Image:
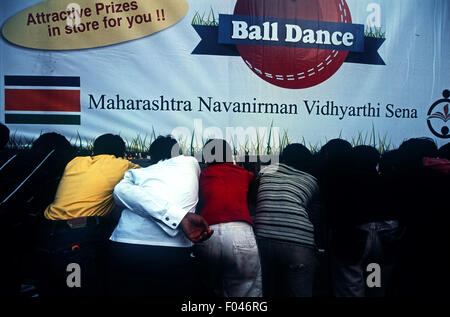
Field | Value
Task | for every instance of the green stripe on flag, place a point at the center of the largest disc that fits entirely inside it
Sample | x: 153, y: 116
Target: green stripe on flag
x: 43, y: 119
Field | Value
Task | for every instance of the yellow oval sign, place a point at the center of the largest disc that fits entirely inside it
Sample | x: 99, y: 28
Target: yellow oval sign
x: 79, y: 24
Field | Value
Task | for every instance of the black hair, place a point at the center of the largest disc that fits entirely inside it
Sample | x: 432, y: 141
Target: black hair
x: 4, y: 135
x: 336, y: 150
x: 163, y: 148
x: 217, y: 151
x: 109, y: 144
x: 444, y: 151
x: 413, y: 151
x: 51, y: 141
x: 365, y: 156
x: 389, y: 162
x: 297, y: 156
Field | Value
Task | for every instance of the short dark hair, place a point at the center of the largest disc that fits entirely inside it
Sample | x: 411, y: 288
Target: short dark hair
x: 365, y: 156
x: 51, y: 141
x: 163, y: 148
x: 297, y: 156
x: 109, y: 144
x: 217, y: 151
x: 413, y: 151
x: 444, y: 151
x: 4, y: 135
x: 388, y: 162
x: 336, y: 149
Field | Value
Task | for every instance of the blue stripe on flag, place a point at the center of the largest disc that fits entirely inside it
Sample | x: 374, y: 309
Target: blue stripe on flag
x: 56, y: 81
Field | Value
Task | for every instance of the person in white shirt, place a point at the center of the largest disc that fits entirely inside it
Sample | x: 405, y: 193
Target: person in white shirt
x: 150, y: 252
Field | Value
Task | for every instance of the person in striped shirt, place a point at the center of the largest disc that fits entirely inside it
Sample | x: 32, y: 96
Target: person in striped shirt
x: 283, y: 228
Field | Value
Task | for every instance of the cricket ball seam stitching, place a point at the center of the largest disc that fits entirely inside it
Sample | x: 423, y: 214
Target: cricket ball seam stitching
x: 319, y: 68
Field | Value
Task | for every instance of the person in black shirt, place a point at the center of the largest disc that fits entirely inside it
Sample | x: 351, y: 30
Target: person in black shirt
x: 27, y: 185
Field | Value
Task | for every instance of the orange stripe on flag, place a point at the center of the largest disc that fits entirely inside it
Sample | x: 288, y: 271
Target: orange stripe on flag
x: 42, y: 100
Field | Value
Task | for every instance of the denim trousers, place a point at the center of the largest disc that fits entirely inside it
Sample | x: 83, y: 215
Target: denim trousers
x: 380, y: 241
x: 230, y: 261
x: 56, y: 249
x: 146, y: 270
x: 287, y: 268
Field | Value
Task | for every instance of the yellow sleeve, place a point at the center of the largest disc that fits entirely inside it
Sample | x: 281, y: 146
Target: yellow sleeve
x: 133, y: 166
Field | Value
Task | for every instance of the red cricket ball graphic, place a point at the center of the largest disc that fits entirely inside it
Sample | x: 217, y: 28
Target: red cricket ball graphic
x: 292, y: 67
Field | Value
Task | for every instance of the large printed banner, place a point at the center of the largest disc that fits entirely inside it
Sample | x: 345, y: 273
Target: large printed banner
x: 297, y: 70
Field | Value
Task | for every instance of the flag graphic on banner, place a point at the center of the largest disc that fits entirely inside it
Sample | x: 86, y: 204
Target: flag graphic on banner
x: 42, y: 100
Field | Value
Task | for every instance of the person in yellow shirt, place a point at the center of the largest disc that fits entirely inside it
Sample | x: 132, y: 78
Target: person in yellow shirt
x: 77, y: 223
x: 86, y: 188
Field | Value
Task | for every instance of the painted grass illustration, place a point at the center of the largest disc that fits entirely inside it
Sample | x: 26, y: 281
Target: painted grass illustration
x: 207, y: 20
x: 374, y: 32
x: 264, y: 144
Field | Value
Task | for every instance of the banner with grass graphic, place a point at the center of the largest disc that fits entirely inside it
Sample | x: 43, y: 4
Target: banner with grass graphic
x: 260, y: 73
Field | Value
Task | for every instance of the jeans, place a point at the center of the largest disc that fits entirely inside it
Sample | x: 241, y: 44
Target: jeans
x: 57, y: 248
x: 146, y: 270
x: 379, y: 246
x: 287, y: 268
x: 230, y: 261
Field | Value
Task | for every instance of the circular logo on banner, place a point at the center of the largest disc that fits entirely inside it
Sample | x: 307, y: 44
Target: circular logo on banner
x: 439, y: 115
x: 293, y: 67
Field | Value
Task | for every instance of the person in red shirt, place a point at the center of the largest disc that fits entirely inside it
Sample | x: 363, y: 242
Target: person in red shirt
x: 230, y: 257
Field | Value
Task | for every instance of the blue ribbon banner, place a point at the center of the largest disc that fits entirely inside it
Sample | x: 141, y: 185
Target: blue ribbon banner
x: 257, y: 30
x: 252, y: 30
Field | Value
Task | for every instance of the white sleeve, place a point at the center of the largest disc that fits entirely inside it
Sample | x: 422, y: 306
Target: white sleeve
x: 133, y: 197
